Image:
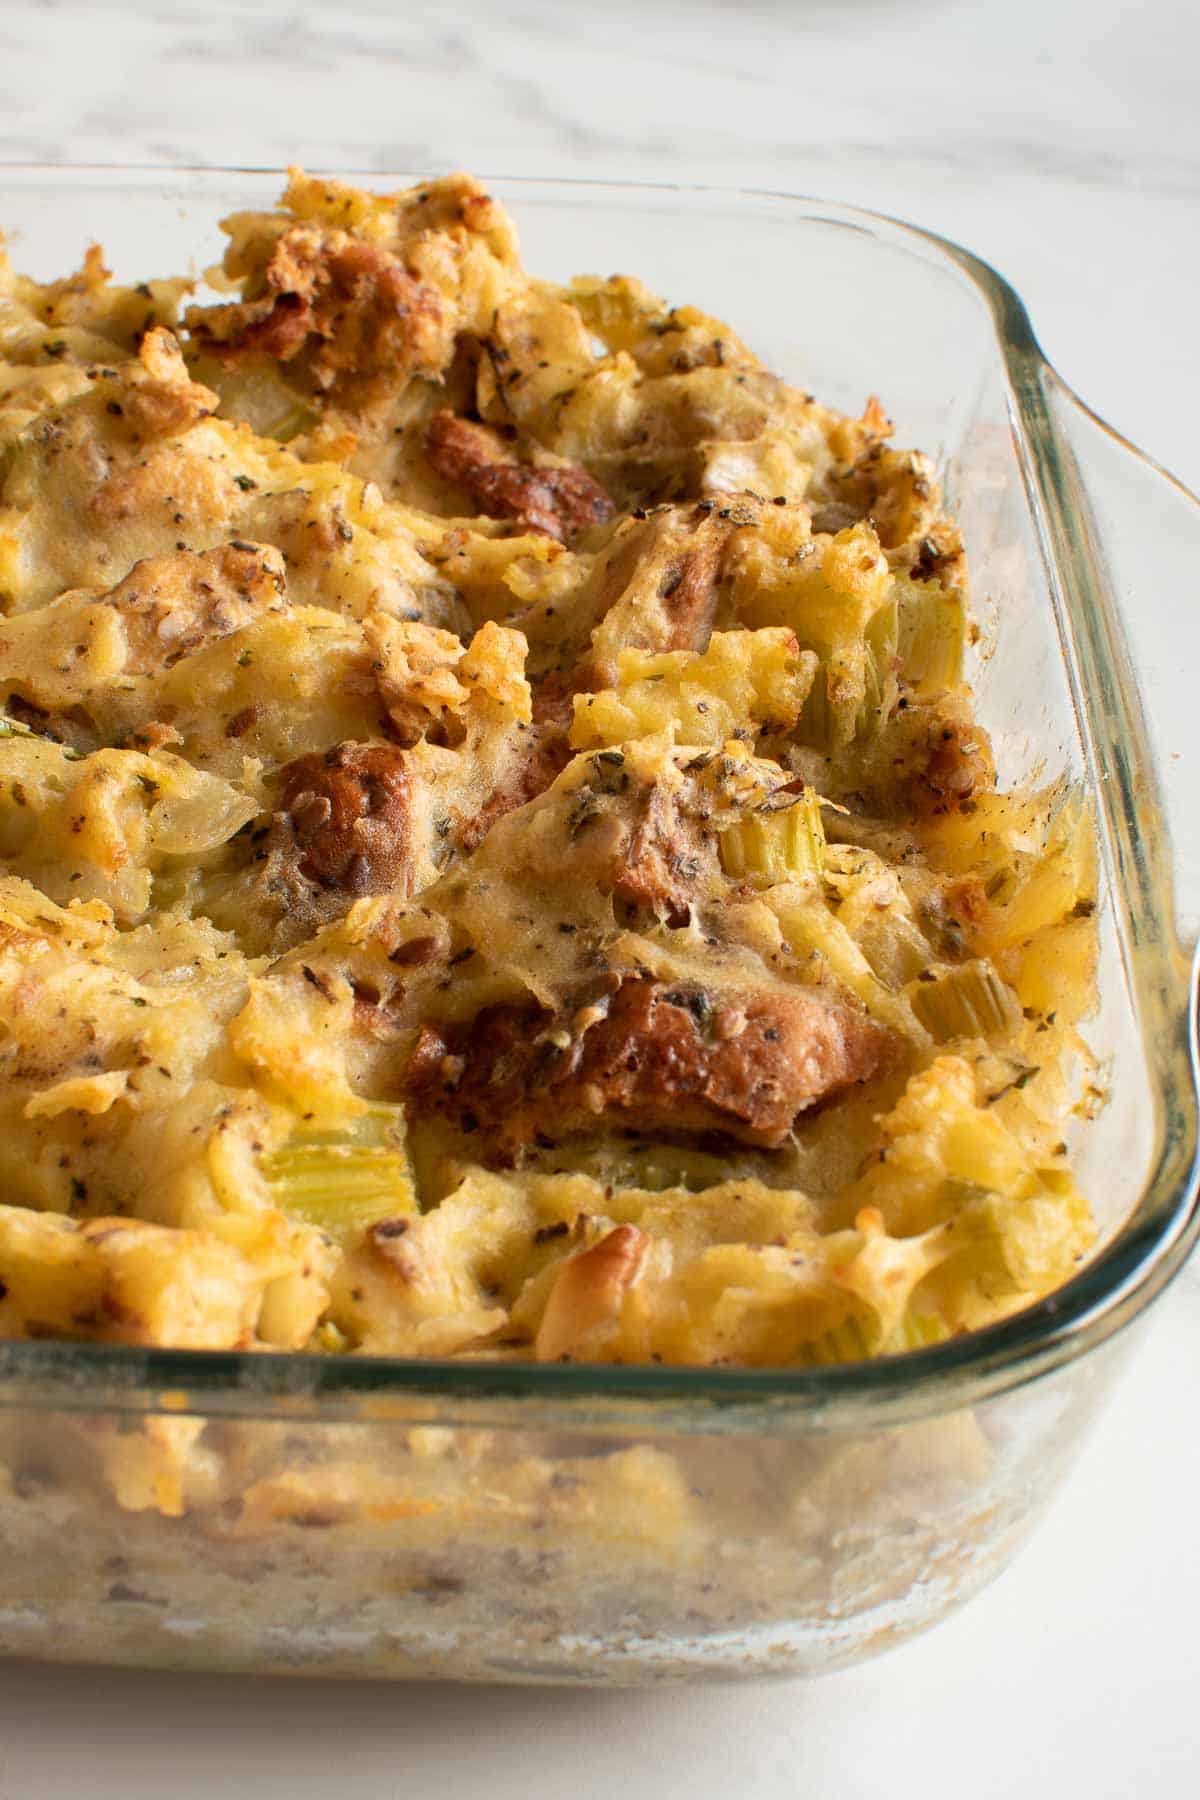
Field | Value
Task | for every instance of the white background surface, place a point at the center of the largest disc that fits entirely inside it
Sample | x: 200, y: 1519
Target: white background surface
x: 1062, y: 142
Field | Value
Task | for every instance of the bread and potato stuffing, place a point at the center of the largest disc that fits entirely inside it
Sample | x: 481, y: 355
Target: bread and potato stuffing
x: 499, y: 859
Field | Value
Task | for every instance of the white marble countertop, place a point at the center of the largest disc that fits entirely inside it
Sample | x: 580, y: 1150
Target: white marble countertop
x: 1061, y: 142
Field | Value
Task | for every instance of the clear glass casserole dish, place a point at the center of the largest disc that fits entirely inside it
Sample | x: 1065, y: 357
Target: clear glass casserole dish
x: 379, y: 1517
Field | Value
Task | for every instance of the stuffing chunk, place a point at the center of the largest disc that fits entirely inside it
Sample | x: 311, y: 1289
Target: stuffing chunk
x: 349, y: 813
x: 558, y: 501
x: 352, y: 307
x: 649, y: 1058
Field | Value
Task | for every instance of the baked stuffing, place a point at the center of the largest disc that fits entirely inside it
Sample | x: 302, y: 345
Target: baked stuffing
x: 499, y: 857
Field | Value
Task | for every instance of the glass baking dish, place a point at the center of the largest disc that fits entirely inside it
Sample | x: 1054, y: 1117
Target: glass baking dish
x: 568, y: 1523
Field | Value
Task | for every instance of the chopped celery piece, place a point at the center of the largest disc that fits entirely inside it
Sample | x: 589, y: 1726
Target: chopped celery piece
x: 915, y: 1331
x: 340, y: 1189
x: 854, y: 688
x: 812, y: 930
x: 879, y: 672
x: 344, y: 1181
x: 858, y: 1337
x: 1026, y: 1242
x: 895, y: 948
x: 768, y: 847
x: 932, y: 631
x: 965, y: 1002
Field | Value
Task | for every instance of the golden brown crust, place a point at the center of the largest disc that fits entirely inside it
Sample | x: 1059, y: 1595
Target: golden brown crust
x: 348, y: 812
x: 353, y: 307
x: 558, y: 501
x: 648, y: 1058
x: 171, y: 604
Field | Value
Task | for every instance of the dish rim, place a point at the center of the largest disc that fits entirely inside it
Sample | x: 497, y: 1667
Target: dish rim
x: 1112, y: 1289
